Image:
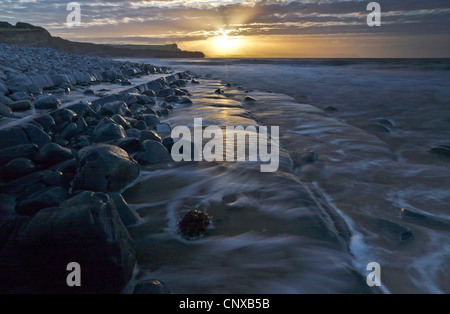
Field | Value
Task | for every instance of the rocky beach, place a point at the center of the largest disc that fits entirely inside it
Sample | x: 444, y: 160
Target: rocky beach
x: 87, y: 177
x: 63, y: 165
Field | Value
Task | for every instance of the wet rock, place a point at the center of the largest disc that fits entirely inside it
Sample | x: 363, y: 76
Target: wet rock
x: 104, y: 168
x: 36, y: 135
x: 128, y: 144
x: 140, y: 125
x: 23, y: 184
x: 151, y: 120
x: 151, y: 286
x: 219, y: 91
x: 329, y: 109
x: 63, y: 117
x: 5, y: 100
x: 168, y: 143
x: 18, y: 96
x: 86, y: 229
x: 46, y: 121
x: 249, y: 99
x: 149, y: 93
x: 57, y: 178
x: 117, y: 107
x: 17, y: 168
x: 121, y: 121
x: 70, y: 131
x: 127, y: 215
x: 50, y: 197
x: 20, y: 105
x: 137, y: 108
x: 165, y: 92
x: 164, y: 130
x: 194, y: 224
x: 133, y: 133
x: 53, y: 153
x: 441, y: 150
x: 154, y: 152
x: 105, y: 132
x: 303, y: 158
x: 47, y: 102
x: 149, y: 135
x: 173, y: 99
x: 19, y: 151
x: 66, y: 167
x: 82, y: 110
x: 5, y: 110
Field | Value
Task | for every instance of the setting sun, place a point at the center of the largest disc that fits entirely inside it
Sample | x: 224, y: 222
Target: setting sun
x: 225, y: 44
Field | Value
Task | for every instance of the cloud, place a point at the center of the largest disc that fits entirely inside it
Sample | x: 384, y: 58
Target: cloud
x: 187, y: 20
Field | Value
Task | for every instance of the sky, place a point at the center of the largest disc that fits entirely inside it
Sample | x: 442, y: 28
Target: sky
x: 251, y: 28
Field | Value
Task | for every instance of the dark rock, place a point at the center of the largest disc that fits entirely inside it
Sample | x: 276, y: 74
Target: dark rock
x: 66, y: 167
x: 194, y: 81
x: 47, y: 102
x: 82, y: 110
x: 53, y: 153
x: 441, y: 150
x: 128, y: 144
x: 18, y: 96
x: 46, y: 122
x: 57, y: 178
x: 149, y: 93
x: 173, y: 99
x: 108, y: 131
x: 70, y: 131
x: 89, y: 92
x: 248, y: 98
x: 301, y: 159
x: 5, y: 110
x: 117, y: 107
x: 151, y: 120
x: 165, y: 92
x: 86, y: 229
x: 151, y: 287
x: 154, y: 152
x: 149, y: 135
x: 104, y: 168
x: 5, y: 100
x: 121, y: 121
x: 22, y: 184
x: 168, y: 143
x: 133, y: 133
x: 127, y: 215
x: 330, y: 109
x: 63, y: 116
x: 137, y: 108
x: 219, y: 91
x: 17, y: 168
x: 19, y: 151
x: 194, y: 224
x: 50, y: 197
x: 36, y: 135
x: 20, y: 105
x: 164, y: 130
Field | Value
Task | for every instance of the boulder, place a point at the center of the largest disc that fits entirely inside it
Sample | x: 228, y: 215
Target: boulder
x: 20, y: 105
x: 116, y: 107
x: 441, y: 150
x: 121, y: 121
x: 5, y: 100
x: 151, y: 120
x: 104, y: 132
x: 128, y: 144
x: 164, y: 130
x: 47, y: 102
x: 82, y: 110
x: 127, y: 215
x: 149, y: 135
x: 5, y: 110
x: 154, y: 152
x: 26, y: 151
x: 17, y: 168
x: 104, y: 168
x: 18, y: 96
x: 46, y: 121
x: 36, y: 135
x: 53, y: 153
x: 49, y: 197
x: 85, y: 229
x: 12, y: 136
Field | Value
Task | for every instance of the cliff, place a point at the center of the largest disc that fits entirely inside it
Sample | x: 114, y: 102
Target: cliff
x: 28, y: 35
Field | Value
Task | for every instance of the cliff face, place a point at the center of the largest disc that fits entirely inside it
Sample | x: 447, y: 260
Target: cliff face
x: 28, y: 35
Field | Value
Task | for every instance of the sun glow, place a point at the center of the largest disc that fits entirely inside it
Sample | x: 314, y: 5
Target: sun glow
x: 225, y: 44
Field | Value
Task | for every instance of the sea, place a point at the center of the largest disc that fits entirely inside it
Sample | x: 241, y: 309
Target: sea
x: 375, y: 194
